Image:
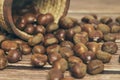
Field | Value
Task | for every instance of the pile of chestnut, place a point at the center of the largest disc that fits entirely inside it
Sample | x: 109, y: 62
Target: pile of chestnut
x: 79, y: 47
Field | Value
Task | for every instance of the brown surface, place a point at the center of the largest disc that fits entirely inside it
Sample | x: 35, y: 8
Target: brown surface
x: 79, y: 8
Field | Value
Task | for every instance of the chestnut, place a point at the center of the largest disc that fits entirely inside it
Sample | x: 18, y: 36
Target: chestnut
x: 72, y: 60
x: 30, y: 17
x: 53, y: 48
x: 55, y: 74
x: 39, y: 49
x: 3, y: 62
x: 68, y: 44
x: 45, y: 19
x: 66, y: 52
x: 14, y: 56
x: 77, y: 29
x: 21, y: 23
x: 30, y: 29
x: 109, y: 37
x: 40, y: 29
x: 53, y: 56
x: 118, y: 19
x: 38, y: 60
x: 95, y: 67
x: 88, y: 19
x: 52, y: 27
x: 93, y: 46
x: 79, y: 49
x: 19, y: 41
x: 78, y: 37
x: 88, y: 56
x: 9, y: 45
x: 60, y: 35
x: 110, y: 47
x: 103, y: 56
x: 115, y: 29
x: 106, y: 20
x: 2, y: 53
x: 61, y: 64
x: 88, y: 28
x: 96, y: 36
x: 69, y: 34
x: 25, y: 49
x: 78, y: 70
x: 38, y: 38
x: 104, y: 28
x: 50, y: 39
x: 66, y: 22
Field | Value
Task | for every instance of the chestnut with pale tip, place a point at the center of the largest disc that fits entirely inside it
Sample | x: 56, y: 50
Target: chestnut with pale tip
x: 38, y: 60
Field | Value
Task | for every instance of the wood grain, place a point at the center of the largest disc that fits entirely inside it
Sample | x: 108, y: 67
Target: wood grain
x: 78, y: 8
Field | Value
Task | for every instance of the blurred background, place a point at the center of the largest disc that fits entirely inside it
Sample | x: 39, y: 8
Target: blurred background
x: 79, y: 8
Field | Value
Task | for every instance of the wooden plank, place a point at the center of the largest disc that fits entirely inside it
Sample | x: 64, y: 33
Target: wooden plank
x: 94, y: 6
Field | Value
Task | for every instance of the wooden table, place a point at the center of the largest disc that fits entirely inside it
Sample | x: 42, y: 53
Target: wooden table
x: 78, y: 8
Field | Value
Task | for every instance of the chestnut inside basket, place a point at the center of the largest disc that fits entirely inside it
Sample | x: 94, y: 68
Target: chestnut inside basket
x: 57, y: 8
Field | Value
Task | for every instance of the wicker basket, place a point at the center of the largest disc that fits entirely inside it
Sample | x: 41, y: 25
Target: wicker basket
x: 58, y: 8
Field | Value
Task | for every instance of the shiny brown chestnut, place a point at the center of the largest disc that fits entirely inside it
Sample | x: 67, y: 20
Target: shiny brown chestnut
x: 50, y: 39
x: 88, y: 28
x: 30, y: 29
x: 110, y: 47
x: 78, y: 37
x: 60, y: 35
x: 78, y: 70
x: 40, y: 29
x: 105, y: 57
x: 104, y: 28
x: 106, y: 20
x: 77, y: 29
x: 19, y: 41
x: 21, y: 23
x: 96, y: 36
x: 14, y: 56
x: 118, y: 19
x: 72, y: 60
x: 53, y: 48
x: 38, y: 38
x: 25, y: 49
x: 93, y: 46
x: 52, y: 27
x: 45, y: 19
x: 53, y: 56
x: 66, y: 22
x: 88, y: 56
x: 38, y: 60
x: 109, y: 37
x: 39, y: 49
x: 3, y: 62
x: 61, y: 64
x: 68, y: 44
x: 115, y: 29
x: 69, y: 34
x: 30, y: 17
x: 79, y: 49
x: 88, y: 19
x: 55, y: 74
x: 9, y: 45
x: 95, y: 67
x: 66, y: 52
x: 2, y: 53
